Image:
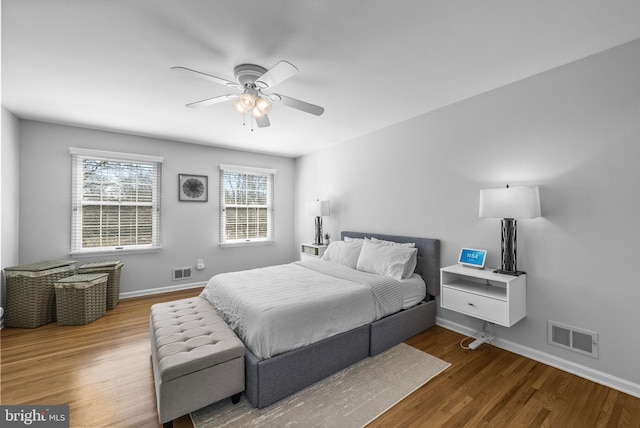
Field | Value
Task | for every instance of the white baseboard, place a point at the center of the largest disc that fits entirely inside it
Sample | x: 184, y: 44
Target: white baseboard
x: 160, y: 290
x: 551, y: 360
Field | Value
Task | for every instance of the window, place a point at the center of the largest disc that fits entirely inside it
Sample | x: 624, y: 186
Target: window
x: 246, y: 204
x: 115, y: 201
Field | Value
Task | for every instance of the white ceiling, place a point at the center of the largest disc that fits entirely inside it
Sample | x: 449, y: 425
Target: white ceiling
x: 105, y: 64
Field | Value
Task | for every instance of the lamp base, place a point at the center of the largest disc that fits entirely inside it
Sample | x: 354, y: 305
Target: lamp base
x: 510, y: 272
x: 509, y: 246
x: 318, y: 237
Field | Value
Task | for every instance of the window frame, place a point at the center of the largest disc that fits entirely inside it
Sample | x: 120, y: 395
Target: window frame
x: 78, y: 156
x: 270, y: 174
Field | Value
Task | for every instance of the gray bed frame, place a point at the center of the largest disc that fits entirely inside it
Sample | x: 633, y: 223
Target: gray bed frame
x: 270, y: 380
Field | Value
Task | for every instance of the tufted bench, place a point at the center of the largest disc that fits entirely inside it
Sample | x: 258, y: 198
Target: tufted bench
x: 197, y: 359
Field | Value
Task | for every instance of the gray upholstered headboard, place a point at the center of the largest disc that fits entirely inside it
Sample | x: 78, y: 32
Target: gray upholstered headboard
x: 428, y: 265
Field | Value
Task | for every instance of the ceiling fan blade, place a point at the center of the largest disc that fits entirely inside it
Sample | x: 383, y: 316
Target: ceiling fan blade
x: 221, y: 81
x: 276, y: 74
x: 297, y: 104
x: 263, y: 122
x: 211, y: 101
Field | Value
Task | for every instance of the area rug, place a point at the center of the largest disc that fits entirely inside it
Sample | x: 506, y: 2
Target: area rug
x: 350, y: 398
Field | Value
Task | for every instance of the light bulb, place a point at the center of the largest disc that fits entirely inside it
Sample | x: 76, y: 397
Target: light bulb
x: 263, y: 105
x: 247, y: 101
x: 256, y: 113
x: 238, y: 106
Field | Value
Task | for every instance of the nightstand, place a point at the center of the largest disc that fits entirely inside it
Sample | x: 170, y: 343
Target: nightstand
x: 312, y: 251
x: 481, y: 293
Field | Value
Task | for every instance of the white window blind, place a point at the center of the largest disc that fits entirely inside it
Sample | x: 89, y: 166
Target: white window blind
x: 246, y: 204
x: 115, y: 201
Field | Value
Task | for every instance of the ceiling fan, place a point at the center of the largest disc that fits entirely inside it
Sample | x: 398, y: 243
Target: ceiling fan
x: 256, y: 83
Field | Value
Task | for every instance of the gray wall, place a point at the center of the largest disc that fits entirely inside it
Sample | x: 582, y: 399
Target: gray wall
x: 574, y: 131
x: 9, y: 200
x: 189, y: 229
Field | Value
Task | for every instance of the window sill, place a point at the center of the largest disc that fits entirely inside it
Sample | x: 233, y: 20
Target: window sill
x: 246, y: 243
x: 91, y: 253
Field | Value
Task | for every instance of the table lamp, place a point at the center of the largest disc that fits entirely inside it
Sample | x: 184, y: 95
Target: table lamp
x: 509, y: 204
x: 318, y: 209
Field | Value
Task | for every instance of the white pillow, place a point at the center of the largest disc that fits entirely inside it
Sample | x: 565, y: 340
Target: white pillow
x: 399, y: 244
x: 409, y: 267
x: 384, y: 259
x: 343, y: 252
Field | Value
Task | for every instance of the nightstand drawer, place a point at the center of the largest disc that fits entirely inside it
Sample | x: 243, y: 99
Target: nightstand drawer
x: 482, y: 307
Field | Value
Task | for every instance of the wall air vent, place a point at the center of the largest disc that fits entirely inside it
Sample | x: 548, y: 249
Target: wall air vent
x: 572, y: 338
x: 181, y: 273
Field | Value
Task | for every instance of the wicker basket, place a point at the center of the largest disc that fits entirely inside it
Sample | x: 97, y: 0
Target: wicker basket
x: 30, y: 292
x: 81, y: 299
x: 113, y: 268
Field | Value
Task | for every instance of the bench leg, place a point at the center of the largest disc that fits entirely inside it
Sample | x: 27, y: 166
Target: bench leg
x: 235, y: 399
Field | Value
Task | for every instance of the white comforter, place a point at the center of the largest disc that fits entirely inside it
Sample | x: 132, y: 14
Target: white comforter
x: 280, y: 308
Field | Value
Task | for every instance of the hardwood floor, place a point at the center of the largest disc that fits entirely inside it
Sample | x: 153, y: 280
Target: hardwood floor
x: 491, y: 387
x: 103, y: 372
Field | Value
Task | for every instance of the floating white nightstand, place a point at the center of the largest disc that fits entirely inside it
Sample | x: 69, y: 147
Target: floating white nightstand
x: 481, y: 293
x: 312, y: 251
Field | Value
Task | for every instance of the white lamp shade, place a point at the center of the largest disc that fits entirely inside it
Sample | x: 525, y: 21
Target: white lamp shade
x: 319, y: 208
x: 510, y: 202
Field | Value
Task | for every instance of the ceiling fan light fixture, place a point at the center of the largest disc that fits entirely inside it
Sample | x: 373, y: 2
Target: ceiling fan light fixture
x: 247, y: 101
x: 252, y: 79
x: 256, y: 113
x: 237, y: 105
x: 263, y: 105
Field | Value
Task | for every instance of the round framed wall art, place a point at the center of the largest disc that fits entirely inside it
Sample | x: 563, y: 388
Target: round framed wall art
x: 193, y: 188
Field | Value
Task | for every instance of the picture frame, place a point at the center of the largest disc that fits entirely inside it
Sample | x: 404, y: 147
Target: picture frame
x: 193, y: 188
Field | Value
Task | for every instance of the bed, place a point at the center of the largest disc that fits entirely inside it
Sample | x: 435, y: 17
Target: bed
x: 368, y: 316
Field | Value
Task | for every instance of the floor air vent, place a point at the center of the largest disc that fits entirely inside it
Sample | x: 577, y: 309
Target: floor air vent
x: 572, y: 338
